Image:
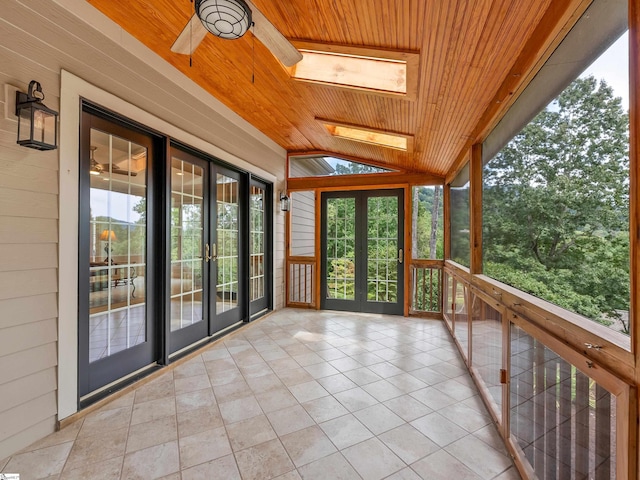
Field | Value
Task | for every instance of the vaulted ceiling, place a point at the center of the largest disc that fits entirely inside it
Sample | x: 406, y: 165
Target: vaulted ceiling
x: 474, y: 56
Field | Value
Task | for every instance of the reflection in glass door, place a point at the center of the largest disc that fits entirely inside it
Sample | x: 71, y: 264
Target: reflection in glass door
x: 188, y: 215
x: 259, y: 236
x: 116, y: 336
x: 225, y: 250
x: 362, y: 264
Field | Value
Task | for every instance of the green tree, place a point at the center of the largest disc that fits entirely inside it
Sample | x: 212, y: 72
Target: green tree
x: 556, y: 205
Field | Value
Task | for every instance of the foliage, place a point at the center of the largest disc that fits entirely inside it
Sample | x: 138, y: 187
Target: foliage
x: 556, y: 204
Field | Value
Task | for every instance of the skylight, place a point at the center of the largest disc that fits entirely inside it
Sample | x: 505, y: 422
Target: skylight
x: 396, y: 141
x: 376, y: 71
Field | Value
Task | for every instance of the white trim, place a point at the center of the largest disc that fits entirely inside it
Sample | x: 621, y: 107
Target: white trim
x: 72, y: 90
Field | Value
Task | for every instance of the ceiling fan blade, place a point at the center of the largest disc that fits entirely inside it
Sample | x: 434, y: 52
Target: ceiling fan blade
x: 190, y: 37
x: 271, y: 38
x: 117, y: 170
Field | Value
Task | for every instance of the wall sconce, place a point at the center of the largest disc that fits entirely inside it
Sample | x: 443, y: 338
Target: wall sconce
x: 37, y: 124
x: 285, y: 202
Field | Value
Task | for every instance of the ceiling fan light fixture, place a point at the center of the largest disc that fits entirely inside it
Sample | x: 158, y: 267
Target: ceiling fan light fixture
x: 229, y: 19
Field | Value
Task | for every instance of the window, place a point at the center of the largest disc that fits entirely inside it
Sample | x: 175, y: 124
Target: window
x: 556, y: 200
x: 459, y: 218
x: 327, y: 165
x: 375, y: 71
x: 427, y: 231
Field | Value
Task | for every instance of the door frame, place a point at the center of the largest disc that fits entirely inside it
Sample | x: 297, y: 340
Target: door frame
x: 262, y: 305
x: 361, y: 303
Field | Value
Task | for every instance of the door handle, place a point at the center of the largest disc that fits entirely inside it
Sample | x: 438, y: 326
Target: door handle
x: 400, y: 255
x: 214, y: 257
x: 207, y: 257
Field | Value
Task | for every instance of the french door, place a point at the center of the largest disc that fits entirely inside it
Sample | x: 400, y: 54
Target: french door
x: 116, y: 333
x: 173, y: 248
x: 207, y: 257
x: 362, y: 251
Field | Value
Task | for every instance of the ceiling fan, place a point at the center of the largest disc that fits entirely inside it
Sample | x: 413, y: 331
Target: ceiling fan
x: 98, y: 168
x: 231, y: 19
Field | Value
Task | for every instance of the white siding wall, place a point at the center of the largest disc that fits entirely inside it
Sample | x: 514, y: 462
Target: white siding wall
x: 39, y: 38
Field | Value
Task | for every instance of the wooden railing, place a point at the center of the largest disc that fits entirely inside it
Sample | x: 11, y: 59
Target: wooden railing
x: 563, y: 411
x: 301, y: 281
x: 426, y: 286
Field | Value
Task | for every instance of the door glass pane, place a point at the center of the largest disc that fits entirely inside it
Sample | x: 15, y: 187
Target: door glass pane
x: 341, y: 241
x: 257, y: 244
x: 227, y: 246
x: 382, y: 249
x: 117, y: 252
x: 187, y: 229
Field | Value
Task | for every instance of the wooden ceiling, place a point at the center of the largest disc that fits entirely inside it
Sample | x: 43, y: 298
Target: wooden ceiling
x: 474, y: 54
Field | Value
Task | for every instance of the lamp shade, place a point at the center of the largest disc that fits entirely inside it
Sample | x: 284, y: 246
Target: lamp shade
x: 228, y: 19
x: 108, y: 235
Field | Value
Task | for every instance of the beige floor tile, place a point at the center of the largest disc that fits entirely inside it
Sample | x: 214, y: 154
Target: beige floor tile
x: 222, y: 468
x: 283, y: 364
x: 191, y: 384
x: 203, y: 447
x: 305, y: 392
x: 439, y: 429
x: 362, y: 376
x: 408, y: 443
x: 96, y: 448
x: 41, y: 463
x: 232, y: 374
x: 232, y: 391
x: 294, y: 376
x: 429, y: 376
x: 192, y: 368
x: 382, y: 390
x: 215, y: 353
x: 442, y: 466
x: 155, y: 432
x: 255, y: 370
x: 264, y: 461
x: 250, y: 432
x: 385, y: 369
x: 308, y: 359
x: 334, y: 467
x: 355, y: 399
x: 195, y: 400
x: 466, y: 417
x: 455, y: 389
x: 161, y: 387
x: 489, y: 435
x: 290, y: 419
x: 378, y: 418
x: 153, y: 462
x: 345, y: 431
x: 433, y: 398
x: 407, y: 408
x: 276, y: 399
x: 292, y: 475
x: 406, y: 382
x: 404, y: 474
x: 324, y: 408
x: 367, y: 359
x: 510, y: 474
x: 321, y: 370
x: 373, y: 460
x: 106, y: 470
x: 105, y: 420
x: 345, y: 364
x: 331, y: 354
x: 67, y: 434
x: 199, y: 420
x: 482, y: 459
x: 307, y: 445
x: 241, y: 409
x: 336, y: 383
x: 153, y: 409
x: 265, y: 383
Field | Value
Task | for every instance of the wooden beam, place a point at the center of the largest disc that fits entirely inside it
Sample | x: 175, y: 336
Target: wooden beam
x: 560, y: 16
x: 475, y: 205
x: 364, y: 180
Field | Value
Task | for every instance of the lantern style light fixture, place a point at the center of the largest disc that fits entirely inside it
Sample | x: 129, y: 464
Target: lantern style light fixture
x: 228, y: 19
x: 37, y: 124
x: 285, y: 202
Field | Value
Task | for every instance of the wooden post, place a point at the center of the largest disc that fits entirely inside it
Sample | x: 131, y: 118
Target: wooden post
x: 475, y: 206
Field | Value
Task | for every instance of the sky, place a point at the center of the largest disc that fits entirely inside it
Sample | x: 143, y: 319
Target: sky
x: 613, y: 67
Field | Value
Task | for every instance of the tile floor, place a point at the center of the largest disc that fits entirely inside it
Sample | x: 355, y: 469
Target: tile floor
x: 298, y: 394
